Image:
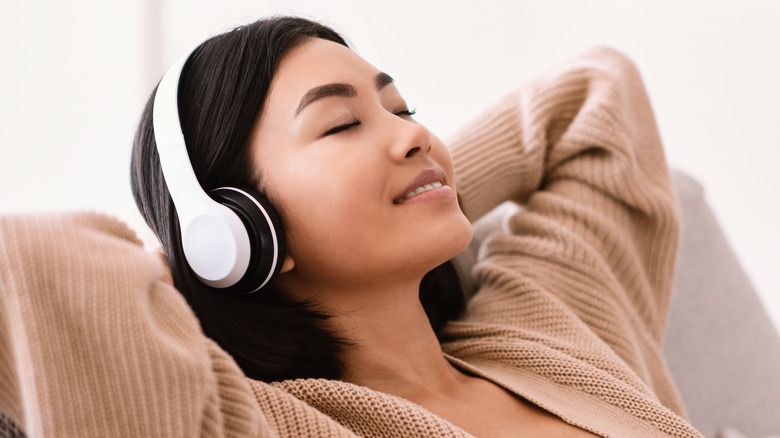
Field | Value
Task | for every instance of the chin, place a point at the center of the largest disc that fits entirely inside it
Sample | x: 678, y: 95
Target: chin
x: 456, y: 239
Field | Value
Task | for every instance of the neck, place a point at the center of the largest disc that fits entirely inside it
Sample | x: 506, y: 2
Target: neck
x: 396, y: 350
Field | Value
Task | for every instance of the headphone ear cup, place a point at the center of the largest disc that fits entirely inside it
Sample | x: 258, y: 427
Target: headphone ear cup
x: 266, y: 235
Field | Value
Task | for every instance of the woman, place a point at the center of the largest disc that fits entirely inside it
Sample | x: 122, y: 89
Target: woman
x: 563, y: 337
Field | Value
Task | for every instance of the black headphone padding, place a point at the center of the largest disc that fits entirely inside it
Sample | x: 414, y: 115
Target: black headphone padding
x: 260, y: 235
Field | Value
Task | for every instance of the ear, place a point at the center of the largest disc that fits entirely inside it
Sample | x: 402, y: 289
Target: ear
x: 288, y: 264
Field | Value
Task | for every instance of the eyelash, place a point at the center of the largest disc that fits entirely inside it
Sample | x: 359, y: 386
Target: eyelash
x: 342, y: 128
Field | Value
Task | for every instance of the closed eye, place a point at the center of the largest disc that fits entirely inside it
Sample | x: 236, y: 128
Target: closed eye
x: 341, y: 128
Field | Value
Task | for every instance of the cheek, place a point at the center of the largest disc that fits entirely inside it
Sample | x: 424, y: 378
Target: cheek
x: 331, y: 208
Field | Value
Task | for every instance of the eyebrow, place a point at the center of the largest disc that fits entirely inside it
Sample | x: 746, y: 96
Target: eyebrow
x: 344, y: 90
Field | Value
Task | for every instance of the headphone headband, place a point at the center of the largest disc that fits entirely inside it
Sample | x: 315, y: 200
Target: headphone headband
x: 174, y: 159
x: 215, y: 242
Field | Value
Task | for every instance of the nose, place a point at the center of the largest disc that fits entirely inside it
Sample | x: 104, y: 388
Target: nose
x: 412, y: 139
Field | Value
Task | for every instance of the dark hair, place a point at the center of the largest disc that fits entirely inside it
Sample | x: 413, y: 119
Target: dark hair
x: 222, y: 90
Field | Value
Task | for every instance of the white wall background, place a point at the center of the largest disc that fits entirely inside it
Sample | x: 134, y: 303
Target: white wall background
x: 75, y: 75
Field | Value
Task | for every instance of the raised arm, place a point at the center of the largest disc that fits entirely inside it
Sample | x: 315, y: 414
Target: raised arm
x: 589, y: 115
x: 579, y: 148
x: 93, y: 341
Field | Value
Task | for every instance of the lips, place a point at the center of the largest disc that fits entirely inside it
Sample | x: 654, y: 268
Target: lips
x: 424, y: 188
x: 427, y: 180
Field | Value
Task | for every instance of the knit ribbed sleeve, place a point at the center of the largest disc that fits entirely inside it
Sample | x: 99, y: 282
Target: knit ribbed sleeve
x: 95, y: 344
x: 577, y: 290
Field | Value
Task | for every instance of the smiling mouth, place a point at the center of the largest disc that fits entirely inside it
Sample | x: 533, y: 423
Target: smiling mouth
x: 422, y: 188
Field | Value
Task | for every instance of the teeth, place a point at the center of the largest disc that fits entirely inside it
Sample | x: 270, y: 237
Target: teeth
x: 423, y: 188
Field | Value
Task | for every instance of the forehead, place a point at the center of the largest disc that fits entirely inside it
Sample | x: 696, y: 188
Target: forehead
x: 318, y: 62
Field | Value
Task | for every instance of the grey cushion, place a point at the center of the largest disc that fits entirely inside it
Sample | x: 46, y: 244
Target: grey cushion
x: 721, y: 346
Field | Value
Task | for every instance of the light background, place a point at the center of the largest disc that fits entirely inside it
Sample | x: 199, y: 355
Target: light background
x: 75, y: 76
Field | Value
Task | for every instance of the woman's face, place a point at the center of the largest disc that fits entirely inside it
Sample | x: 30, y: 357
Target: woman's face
x: 341, y: 158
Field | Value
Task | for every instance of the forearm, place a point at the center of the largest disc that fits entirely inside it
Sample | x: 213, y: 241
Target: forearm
x: 589, y: 120
x: 100, y: 344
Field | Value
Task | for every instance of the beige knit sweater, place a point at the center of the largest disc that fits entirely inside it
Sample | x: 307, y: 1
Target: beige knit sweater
x: 569, y: 314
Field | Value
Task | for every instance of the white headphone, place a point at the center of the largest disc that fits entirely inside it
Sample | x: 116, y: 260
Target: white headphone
x: 232, y: 237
